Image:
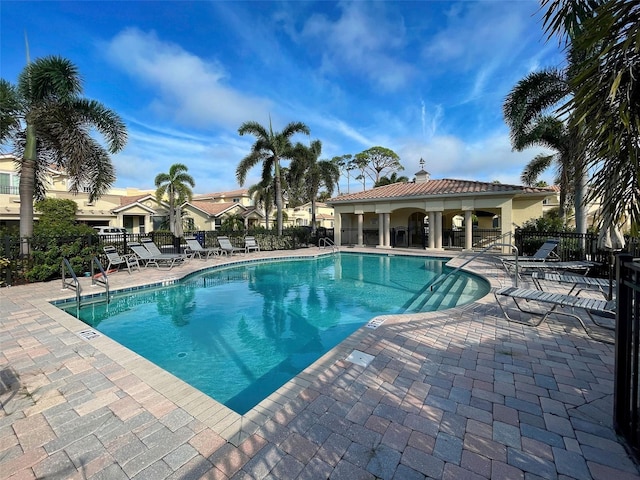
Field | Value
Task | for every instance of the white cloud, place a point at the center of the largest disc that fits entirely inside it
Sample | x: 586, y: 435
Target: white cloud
x: 365, y: 40
x: 211, y: 161
x: 486, y: 160
x: 184, y: 88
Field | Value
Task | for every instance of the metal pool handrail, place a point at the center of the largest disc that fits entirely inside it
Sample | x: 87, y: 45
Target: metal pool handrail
x: 101, y: 278
x: 327, y: 242
x: 73, y: 281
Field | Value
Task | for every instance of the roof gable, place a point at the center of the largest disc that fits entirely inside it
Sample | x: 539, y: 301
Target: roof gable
x: 214, y: 209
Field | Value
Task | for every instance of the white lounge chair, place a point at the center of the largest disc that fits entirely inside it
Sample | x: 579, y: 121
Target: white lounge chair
x: 544, y: 253
x: 227, y: 248
x: 582, y: 266
x: 251, y: 245
x: 155, y: 251
x: 590, y: 306
x: 195, y: 249
x: 578, y: 283
x: 147, y: 258
x: 116, y: 260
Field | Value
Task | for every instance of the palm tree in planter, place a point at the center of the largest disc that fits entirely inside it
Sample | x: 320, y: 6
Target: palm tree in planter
x: 51, y: 124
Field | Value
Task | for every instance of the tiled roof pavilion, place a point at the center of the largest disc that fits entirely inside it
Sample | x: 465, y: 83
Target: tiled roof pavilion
x: 409, y: 206
x: 431, y: 188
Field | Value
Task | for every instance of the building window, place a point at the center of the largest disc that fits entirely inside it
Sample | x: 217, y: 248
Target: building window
x: 236, y: 200
x: 9, y: 183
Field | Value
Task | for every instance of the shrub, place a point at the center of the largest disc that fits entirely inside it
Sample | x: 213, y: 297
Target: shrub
x: 57, y: 235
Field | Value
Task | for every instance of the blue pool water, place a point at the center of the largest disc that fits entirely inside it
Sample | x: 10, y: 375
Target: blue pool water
x: 238, y: 333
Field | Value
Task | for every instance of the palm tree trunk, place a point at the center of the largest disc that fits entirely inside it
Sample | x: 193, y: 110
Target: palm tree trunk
x: 313, y: 215
x: 171, y: 211
x: 26, y: 189
x: 278, y: 197
x: 581, y: 211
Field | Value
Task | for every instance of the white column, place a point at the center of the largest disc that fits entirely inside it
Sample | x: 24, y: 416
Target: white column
x: 468, y: 230
x: 438, y: 230
x: 387, y: 234
x: 360, y: 229
x: 432, y: 229
x: 381, y: 230
x: 337, y: 229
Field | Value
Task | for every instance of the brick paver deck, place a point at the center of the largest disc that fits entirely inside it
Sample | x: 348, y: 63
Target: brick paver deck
x: 457, y: 394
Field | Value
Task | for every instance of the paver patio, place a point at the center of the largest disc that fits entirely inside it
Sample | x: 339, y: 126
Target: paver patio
x: 457, y: 394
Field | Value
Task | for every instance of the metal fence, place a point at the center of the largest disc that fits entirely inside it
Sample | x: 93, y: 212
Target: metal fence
x: 82, y: 249
x: 575, y: 246
x: 626, y: 403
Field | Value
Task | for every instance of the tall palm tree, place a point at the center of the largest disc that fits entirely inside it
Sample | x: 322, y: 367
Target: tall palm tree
x: 530, y: 111
x: 176, y: 185
x: 605, y: 94
x: 270, y: 148
x: 313, y: 174
x: 49, y: 123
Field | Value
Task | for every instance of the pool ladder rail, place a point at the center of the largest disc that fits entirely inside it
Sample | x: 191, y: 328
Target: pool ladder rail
x: 326, y: 242
x: 99, y: 279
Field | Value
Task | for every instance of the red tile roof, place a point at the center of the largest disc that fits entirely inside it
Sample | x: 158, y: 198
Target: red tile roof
x: 442, y: 187
x: 133, y: 199
x: 214, y: 208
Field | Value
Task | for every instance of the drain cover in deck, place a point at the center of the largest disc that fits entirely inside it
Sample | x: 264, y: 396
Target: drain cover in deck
x: 360, y: 358
x: 89, y: 334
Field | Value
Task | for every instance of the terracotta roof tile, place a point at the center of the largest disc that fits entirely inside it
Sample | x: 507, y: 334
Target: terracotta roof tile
x: 445, y: 186
x: 213, y: 208
x: 133, y: 199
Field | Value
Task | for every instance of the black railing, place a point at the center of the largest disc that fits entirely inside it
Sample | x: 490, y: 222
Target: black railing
x: 575, y: 246
x: 480, y: 237
x: 9, y: 190
x: 23, y: 268
x: 626, y: 403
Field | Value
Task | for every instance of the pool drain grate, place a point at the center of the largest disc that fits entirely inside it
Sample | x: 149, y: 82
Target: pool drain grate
x: 375, y: 323
x: 360, y: 358
x: 88, y: 334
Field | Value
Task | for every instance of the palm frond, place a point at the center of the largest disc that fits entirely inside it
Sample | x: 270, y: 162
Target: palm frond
x: 533, y: 169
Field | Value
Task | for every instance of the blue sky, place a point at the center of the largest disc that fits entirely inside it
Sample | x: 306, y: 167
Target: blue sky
x: 426, y: 79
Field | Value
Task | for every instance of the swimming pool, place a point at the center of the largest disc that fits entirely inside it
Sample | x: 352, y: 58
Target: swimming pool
x: 238, y: 333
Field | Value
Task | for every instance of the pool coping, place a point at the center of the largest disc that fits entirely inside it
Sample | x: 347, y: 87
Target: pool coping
x: 231, y: 426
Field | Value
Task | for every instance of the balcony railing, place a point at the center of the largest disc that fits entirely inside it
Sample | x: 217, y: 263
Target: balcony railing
x: 8, y: 190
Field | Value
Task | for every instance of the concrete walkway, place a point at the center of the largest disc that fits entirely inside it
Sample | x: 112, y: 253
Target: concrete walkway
x: 457, y: 394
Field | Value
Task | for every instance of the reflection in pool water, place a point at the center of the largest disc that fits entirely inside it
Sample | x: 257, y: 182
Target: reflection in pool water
x: 238, y: 333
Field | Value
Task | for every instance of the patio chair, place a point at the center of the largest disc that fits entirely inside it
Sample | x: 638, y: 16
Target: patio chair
x: 250, y: 244
x: 150, y: 245
x: 545, y: 259
x: 581, y: 266
x: 194, y: 248
x: 578, y: 283
x: 591, y: 306
x: 227, y: 248
x: 146, y: 258
x: 544, y: 253
x: 116, y: 260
